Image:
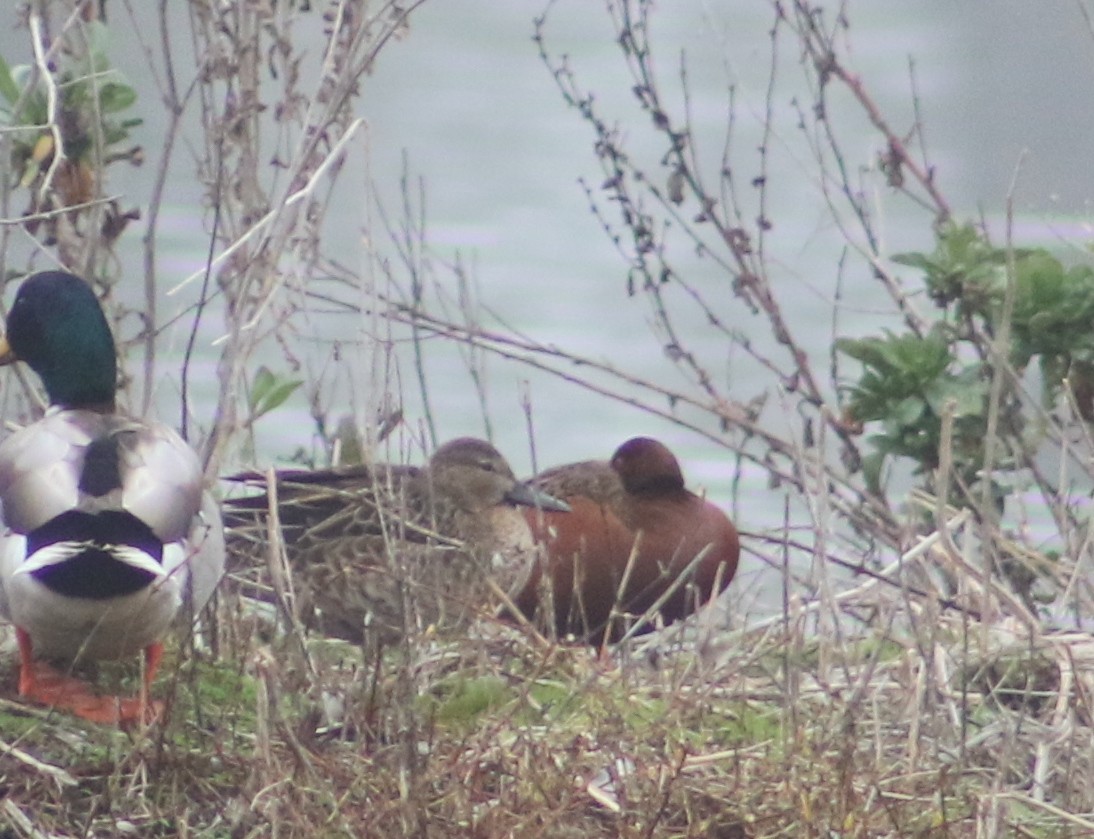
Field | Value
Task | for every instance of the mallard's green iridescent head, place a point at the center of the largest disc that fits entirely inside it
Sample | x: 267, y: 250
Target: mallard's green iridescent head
x: 57, y: 326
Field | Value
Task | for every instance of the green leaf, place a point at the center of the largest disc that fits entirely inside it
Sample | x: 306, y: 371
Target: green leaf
x: 114, y: 97
x: 872, y: 464
x: 270, y: 391
x: 860, y: 349
x: 8, y: 88
x: 98, y: 37
x: 914, y: 260
x: 909, y: 411
x: 34, y: 110
x: 967, y: 397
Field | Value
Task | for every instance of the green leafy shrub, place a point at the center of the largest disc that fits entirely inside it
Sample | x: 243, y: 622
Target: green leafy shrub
x: 89, y: 121
x: 909, y: 380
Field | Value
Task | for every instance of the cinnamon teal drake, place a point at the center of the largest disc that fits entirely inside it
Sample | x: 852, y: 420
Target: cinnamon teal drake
x: 382, y: 551
x: 107, y: 532
x: 634, y: 532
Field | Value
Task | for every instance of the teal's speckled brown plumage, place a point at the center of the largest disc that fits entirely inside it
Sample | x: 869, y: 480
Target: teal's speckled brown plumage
x: 107, y: 532
x: 395, y: 548
x: 636, y: 499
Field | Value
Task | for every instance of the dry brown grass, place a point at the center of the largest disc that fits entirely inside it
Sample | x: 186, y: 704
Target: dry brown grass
x: 917, y: 722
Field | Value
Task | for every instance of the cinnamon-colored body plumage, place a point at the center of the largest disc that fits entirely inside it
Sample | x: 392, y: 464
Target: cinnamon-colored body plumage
x: 636, y: 504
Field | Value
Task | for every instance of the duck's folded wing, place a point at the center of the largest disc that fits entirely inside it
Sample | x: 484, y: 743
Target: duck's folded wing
x: 204, y: 557
x: 161, y: 479
x: 593, y: 479
x: 40, y: 470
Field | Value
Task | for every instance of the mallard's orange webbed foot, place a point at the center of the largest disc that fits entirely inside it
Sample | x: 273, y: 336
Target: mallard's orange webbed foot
x: 77, y: 697
x: 45, y: 685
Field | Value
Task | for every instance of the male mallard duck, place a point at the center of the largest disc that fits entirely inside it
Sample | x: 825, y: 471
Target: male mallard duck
x: 106, y: 529
x: 634, y: 529
x: 393, y: 548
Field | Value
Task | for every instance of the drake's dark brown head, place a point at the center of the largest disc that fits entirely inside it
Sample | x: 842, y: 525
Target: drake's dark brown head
x: 646, y: 466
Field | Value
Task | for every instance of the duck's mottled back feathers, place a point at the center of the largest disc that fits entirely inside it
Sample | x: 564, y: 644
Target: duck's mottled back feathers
x: 394, y: 545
